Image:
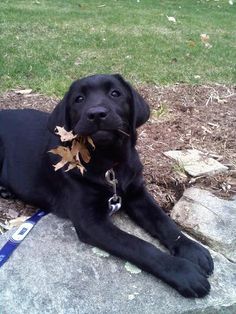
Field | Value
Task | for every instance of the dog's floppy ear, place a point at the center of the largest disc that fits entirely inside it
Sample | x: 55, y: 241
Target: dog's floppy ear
x: 59, y: 116
x: 140, y: 110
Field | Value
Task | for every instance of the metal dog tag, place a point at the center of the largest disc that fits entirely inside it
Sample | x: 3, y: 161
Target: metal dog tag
x: 114, y: 203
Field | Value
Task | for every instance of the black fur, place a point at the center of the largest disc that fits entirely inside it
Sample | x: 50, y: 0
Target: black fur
x: 99, y: 106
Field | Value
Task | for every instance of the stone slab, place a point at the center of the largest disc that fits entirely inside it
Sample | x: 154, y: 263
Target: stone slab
x: 209, y: 218
x: 53, y: 272
x: 195, y: 162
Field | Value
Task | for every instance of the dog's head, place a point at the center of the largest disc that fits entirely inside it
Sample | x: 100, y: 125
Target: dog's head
x: 104, y: 107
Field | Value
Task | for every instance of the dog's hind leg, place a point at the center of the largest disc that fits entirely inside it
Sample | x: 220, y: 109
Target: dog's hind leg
x: 5, y: 193
x: 1, y: 157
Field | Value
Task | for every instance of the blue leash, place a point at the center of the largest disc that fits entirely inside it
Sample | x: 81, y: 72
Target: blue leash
x: 19, y: 235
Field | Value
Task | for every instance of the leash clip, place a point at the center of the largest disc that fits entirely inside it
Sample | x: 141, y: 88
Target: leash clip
x: 114, y: 203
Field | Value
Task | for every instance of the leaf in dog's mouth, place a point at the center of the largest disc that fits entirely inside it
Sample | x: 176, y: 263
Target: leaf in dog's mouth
x: 71, y: 155
x: 65, y: 136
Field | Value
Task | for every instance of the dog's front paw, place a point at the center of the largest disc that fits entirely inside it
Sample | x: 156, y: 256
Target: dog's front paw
x: 195, y: 253
x: 188, y: 279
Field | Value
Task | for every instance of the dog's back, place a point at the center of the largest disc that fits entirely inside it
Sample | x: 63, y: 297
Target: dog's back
x: 18, y: 131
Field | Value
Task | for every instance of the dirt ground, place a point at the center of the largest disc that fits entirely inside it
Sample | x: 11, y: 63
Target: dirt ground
x: 183, y: 116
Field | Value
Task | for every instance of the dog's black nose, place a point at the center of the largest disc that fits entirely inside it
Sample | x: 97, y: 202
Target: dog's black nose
x: 97, y: 113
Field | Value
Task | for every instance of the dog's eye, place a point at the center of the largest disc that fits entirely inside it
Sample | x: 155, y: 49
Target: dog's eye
x: 115, y: 93
x: 79, y: 98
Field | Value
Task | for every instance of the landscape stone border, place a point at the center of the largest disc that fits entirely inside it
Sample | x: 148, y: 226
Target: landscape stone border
x: 53, y: 272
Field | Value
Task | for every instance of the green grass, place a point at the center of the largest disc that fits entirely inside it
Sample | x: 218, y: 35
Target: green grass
x: 46, y: 44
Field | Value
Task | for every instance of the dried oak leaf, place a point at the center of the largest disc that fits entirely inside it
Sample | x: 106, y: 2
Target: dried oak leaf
x: 204, y: 38
x: 171, y: 19
x: 65, y: 136
x: 90, y: 141
x: 71, y: 155
x: 68, y: 157
x: 82, y: 151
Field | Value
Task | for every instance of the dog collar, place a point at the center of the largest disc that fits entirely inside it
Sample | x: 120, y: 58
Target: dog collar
x: 114, y: 202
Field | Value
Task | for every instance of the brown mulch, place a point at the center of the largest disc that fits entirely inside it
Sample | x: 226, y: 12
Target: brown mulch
x: 183, y: 116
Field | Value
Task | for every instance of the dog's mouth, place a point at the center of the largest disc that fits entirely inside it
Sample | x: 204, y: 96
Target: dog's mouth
x: 104, y: 137
x: 102, y: 134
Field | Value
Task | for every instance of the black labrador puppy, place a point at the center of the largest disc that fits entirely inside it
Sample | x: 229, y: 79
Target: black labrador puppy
x: 109, y: 110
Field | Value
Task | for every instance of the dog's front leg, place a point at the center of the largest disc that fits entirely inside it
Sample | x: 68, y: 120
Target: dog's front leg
x: 142, y: 208
x: 179, y: 273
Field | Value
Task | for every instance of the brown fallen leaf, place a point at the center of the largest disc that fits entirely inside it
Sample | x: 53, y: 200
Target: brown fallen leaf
x: 23, y: 91
x: 171, y: 19
x: 66, y: 155
x: 67, y: 158
x: 191, y: 43
x: 62, y: 151
x: 16, y: 222
x: 65, y: 136
x: 84, y: 153
x: 90, y: 141
x: 71, y: 155
x: 204, y: 38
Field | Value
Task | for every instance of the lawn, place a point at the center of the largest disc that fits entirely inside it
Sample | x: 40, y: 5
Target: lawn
x: 45, y: 44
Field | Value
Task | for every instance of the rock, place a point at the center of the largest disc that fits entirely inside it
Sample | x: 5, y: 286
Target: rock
x: 208, y: 218
x: 53, y: 272
x: 196, y: 163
